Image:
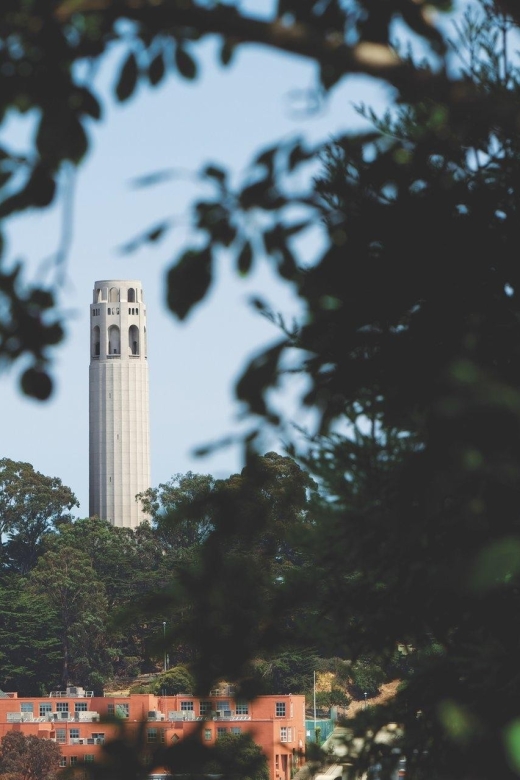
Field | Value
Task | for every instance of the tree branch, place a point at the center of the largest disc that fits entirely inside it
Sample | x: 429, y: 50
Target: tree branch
x: 373, y: 59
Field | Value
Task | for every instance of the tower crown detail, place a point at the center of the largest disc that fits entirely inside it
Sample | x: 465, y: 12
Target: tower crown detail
x: 118, y: 321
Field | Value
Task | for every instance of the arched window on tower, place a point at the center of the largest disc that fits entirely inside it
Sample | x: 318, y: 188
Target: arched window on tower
x: 114, y: 341
x: 98, y: 295
x: 96, y: 339
x: 131, y: 295
x: 133, y: 340
x: 114, y: 295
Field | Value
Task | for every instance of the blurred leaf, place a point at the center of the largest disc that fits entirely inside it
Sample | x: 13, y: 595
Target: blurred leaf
x: 36, y: 383
x: 188, y: 281
x: 226, y: 52
x: 512, y: 743
x: 214, y: 172
x: 498, y: 564
x: 89, y: 104
x: 297, y: 155
x: 245, y: 259
x: 156, y: 69
x: 127, y: 81
x: 149, y: 179
x: 261, y: 373
x: 186, y: 65
x: 457, y: 721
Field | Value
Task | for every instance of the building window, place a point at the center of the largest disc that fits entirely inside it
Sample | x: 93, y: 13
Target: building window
x: 242, y: 708
x: 110, y: 709
x: 277, y: 761
x: 114, y: 340
x: 222, y: 707
x: 27, y: 706
x: 45, y: 708
x: 74, y: 733
x: 236, y: 730
x: 133, y: 339
x: 114, y: 295
x: 88, y: 758
x: 62, y: 706
x: 63, y: 761
x: 221, y: 730
x: 131, y: 295
x: 152, y: 735
x: 207, y: 734
x: 73, y: 760
x: 285, y: 734
x: 80, y: 706
x: 122, y: 710
x: 280, y: 709
x: 98, y: 737
x: 187, y: 706
x: 205, y: 707
x: 61, y: 736
x: 96, y: 338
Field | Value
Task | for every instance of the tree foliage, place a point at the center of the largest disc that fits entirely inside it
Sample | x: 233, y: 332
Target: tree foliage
x: 46, y: 44
x: 65, y: 578
x: 409, y: 343
x: 28, y: 758
x: 174, y: 681
x: 31, y: 505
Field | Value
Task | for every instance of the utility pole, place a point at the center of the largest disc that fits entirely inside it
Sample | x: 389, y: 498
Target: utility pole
x: 164, y: 641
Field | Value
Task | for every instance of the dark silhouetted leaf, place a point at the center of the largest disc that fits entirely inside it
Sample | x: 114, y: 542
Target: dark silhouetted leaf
x: 186, y: 65
x: 226, y: 53
x: 298, y: 155
x: 188, y: 281
x: 150, y: 179
x: 89, y: 104
x: 213, y: 172
x: 156, y: 69
x: 245, y: 259
x: 127, y: 79
x: 261, y: 373
x: 36, y: 383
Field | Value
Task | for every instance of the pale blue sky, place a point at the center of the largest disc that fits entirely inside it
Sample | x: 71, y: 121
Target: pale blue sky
x: 226, y: 116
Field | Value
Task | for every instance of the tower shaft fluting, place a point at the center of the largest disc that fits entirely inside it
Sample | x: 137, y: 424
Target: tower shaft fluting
x: 119, y: 451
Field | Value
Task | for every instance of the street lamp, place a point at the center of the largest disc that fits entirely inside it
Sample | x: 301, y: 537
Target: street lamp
x: 365, y: 695
x: 164, y: 640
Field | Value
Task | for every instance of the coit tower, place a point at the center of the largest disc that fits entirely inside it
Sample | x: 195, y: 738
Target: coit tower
x: 119, y: 458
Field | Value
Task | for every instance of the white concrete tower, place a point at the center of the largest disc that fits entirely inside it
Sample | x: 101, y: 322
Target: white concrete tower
x: 119, y: 410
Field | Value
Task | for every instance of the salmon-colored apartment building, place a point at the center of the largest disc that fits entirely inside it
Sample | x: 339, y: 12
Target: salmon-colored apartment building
x: 80, y: 722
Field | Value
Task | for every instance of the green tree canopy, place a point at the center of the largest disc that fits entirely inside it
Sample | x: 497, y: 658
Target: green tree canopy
x: 180, y: 511
x: 65, y: 578
x: 31, y: 505
x: 174, y: 681
x: 27, y: 620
